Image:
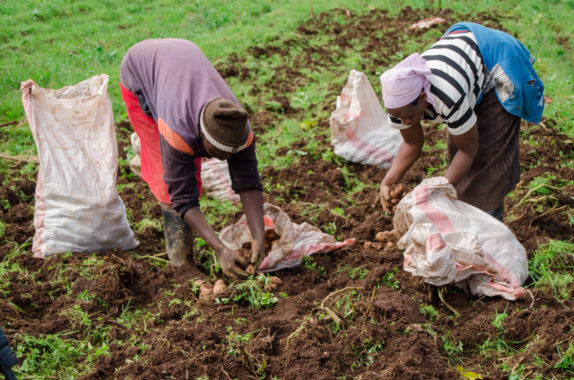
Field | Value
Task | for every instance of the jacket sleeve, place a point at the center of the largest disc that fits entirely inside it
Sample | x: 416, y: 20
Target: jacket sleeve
x: 180, y: 177
x: 243, y: 170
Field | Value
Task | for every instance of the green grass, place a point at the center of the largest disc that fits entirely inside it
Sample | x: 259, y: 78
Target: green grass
x: 62, y: 42
x: 9, y: 264
x: 56, y: 356
x: 552, y: 269
x: 252, y: 291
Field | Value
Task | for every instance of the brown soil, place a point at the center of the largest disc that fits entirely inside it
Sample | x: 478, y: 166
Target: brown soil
x: 384, y: 336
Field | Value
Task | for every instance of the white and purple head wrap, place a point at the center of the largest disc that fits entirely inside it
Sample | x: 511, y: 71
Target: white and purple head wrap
x: 402, y: 84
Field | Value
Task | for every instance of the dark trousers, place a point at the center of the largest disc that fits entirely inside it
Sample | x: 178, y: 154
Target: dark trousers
x: 496, y: 168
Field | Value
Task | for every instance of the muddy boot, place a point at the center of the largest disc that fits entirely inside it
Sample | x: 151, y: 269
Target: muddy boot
x: 178, y: 237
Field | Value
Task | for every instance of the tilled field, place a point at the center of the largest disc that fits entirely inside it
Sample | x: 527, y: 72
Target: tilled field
x: 384, y: 332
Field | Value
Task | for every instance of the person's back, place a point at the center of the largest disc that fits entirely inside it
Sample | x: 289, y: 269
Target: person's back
x: 182, y: 110
x: 176, y: 80
x: 457, y: 77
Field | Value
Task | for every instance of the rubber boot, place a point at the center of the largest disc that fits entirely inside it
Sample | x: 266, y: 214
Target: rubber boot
x: 178, y: 237
x: 7, y: 357
x: 498, y: 213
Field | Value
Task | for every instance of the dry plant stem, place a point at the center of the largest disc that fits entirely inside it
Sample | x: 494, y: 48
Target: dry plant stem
x: 154, y: 258
x: 535, y: 189
x: 226, y: 374
x: 295, y: 333
x: 119, y: 260
x: 376, y: 200
x: 371, y: 301
x: 328, y: 310
x: 549, y: 211
x: 532, y: 297
x: 543, y: 198
x: 517, y: 218
x: 247, y: 359
x: 440, y: 290
x: 553, y: 209
x: 20, y: 158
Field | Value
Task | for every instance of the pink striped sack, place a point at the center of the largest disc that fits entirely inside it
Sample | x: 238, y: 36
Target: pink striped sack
x: 295, y: 240
x: 77, y: 207
x: 449, y: 241
x: 360, y: 129
x: 215, y: 180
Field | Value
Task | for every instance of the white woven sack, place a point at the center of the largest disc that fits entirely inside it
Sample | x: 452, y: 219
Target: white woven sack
x: 77, y: 208
x: 449, y: 241
x: 295, y: 240
x: 360, y: 128
x: 215, y: 180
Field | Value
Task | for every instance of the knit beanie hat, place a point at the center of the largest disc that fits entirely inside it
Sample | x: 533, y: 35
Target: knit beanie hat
x: 224, y: 125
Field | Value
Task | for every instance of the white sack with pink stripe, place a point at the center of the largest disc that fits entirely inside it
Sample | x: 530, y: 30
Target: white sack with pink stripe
x: 360, y: 129
x: 77, y: 206
x: 295, y: 240
x: 215, y: 180
x: 448, y: 241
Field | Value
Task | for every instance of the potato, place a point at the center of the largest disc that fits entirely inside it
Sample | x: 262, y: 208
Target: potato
x: 206, y: 291
x: 396, y: 192
x: 219, y: 287
x: 275, y: 280
x: 381, y: 236
x: 270, y: 287
x: 245, y: 251
x: 385, y: 235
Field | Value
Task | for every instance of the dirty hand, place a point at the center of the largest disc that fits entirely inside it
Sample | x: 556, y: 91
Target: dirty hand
x: 385, y: 193
x: 229, y: 260
x: 390, y: 197
x: 257, y: 252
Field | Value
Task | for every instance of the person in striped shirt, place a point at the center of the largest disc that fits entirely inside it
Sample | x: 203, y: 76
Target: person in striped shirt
x: 480, y: 83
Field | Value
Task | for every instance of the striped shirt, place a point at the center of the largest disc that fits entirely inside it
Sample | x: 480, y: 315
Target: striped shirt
x: 457, y: 77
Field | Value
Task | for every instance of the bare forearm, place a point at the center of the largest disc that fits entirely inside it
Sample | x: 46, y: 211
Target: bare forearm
x: 408, y: 154
x: 467, y: 145
x: 459, y: 166
x: 252, y: 201
x: 196, y: 220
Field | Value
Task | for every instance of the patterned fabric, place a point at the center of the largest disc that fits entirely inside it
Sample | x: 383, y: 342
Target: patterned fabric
x: 456, y: 80
x: 509, y: 63
x: 496, y: 169
x: 403, y: 83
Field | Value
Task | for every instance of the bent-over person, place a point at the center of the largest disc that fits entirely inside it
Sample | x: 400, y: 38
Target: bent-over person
x: 479, y: 82
x: 183, y: 110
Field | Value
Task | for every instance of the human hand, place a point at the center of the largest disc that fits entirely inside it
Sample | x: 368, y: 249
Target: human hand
x: 390, y: 197
x: 229, y: 261
x: 257, y: 252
